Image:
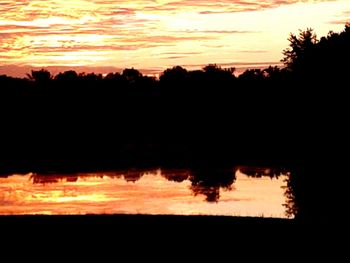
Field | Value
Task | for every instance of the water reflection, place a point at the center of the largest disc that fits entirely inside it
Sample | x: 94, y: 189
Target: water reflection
x: 244, y: 191
x: 258, y: 172
x: 208, y: 182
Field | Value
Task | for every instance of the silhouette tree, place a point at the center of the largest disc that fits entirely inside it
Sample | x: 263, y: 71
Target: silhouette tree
x: 40, y: 76
x: 132, y: 75
x: 333, y: 53
x: 174, y: 76
x: 67, y: 76
x: 216, y: 69
x: 215, y: 74
x: 318, y: 77
x: 113, y: 76
x: 275, y: 74
x: 301, y: 50
x: 252, y: 75
x: 91, y: 77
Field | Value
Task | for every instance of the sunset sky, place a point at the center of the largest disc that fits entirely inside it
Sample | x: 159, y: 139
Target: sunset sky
x: 153, y: 35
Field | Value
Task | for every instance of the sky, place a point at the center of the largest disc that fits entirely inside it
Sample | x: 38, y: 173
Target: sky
x: 152, y: 35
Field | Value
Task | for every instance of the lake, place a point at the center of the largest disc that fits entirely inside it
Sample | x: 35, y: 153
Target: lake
x: 245, y: 191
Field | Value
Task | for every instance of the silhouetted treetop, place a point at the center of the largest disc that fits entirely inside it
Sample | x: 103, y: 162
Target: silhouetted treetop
x: 131, y: 75
x: 216, y: 69
x: 301, y: 47
x: 40, y: 76
x: 252, y: 75
x: 321, y: 60
x: 176, y: 74
x: 69, y: 75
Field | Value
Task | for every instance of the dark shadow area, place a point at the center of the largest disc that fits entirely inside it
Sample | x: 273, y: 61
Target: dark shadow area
x: 293, y: 117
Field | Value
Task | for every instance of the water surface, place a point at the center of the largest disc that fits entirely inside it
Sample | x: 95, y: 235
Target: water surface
x: 175, y: 192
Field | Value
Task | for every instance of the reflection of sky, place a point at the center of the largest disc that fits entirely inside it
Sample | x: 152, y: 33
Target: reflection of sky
x: 151, y: 194
x: 157, y: 34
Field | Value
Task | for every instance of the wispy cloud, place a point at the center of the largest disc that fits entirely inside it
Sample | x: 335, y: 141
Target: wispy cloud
x: 342, y: 19
x: 207, y: 7
x: 84, y: 32
x: 218, y: 32
x: 340, y: 22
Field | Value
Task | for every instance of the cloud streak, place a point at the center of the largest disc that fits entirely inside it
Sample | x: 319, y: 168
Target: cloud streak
x: 79, y: 32
x: 206, y: 7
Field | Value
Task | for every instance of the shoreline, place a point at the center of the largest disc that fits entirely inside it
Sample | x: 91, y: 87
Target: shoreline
x: 140, y: 220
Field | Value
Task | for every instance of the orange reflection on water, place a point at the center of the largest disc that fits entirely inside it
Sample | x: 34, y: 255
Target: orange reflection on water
x: 137, y: 192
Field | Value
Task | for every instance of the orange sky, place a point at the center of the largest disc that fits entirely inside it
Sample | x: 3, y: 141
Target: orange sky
x: 152, y: 35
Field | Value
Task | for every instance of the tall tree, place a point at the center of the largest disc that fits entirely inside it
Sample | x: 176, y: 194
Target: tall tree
x: 301, y: 50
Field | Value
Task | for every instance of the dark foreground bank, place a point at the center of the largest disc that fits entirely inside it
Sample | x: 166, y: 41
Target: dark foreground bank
x: 143, y: 236
x: 176, y: 233
x: 142, y: 225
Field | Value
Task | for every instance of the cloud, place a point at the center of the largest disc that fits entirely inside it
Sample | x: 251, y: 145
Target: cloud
x: 219, y: 32
x: 183, y: 53
x: 38, y: 32
x: 174, y: 57
x: 340, y: 22
x: 239, y: 66
x: 208, y: 7
x: 342, y: 19
x: 252, y: 51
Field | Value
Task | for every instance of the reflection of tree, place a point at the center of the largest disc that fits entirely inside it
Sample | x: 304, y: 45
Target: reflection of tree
x: 56, y: 178
x: 129, y: 176
x: 209, y: 181
x: 45, y: 179
x: 176, y: 176
x: 258, y: 172
x: 212, y: 193
x: 133, y: 176
x: 203, y: 181
x: 290, y: 205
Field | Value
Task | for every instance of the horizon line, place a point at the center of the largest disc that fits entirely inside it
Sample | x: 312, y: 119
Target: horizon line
x: 20, y: 71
